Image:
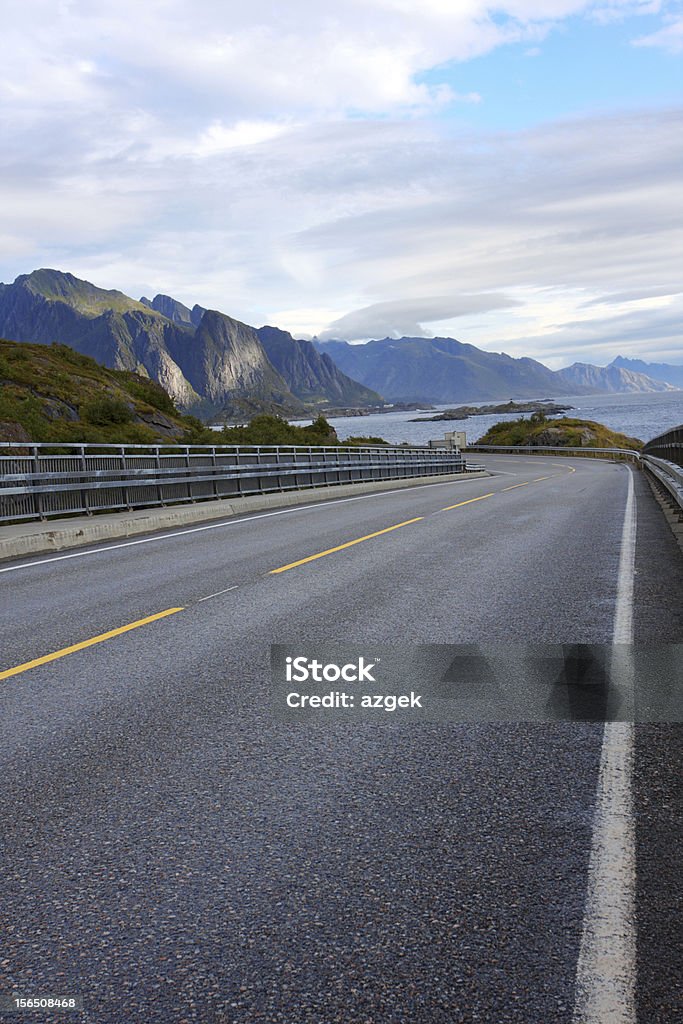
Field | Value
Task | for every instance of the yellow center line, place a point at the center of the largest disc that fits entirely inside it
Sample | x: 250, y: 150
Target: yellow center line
x: 85, y: 643
x: 538, y: 479
x: 340, y: 547
x: 512, y: 486
x: 468, y: 502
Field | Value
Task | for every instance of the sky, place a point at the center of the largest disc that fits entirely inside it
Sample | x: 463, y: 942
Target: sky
x: 509, y: 174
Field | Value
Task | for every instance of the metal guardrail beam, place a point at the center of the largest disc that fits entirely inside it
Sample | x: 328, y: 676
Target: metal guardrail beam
x: 668, y: 469
x: 668, y: 474
x: 536, y: 449
x: 42, y: 480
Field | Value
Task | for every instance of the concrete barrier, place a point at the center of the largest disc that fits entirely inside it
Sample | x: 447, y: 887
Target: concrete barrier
x: 21, y: 539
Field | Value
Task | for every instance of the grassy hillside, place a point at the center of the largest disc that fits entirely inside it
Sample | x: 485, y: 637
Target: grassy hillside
x: 52, y: 393
x: 564, y: 432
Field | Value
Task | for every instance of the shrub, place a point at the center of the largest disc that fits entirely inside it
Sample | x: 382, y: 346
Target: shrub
x: 148, y: 391
x: 267, y: 429
x: 102, y: 412
x: 353, y: 442
x: 197, y: 432
x: 70, y: 355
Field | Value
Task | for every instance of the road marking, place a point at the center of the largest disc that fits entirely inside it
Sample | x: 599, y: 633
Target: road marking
x: 468, y: 502
x: 340, y: 547
x: 512, y: 487
x: 623, y: 616
x: 217, y: 594
x: 538, y: 479
x: 233, y: 521
x: 86, y: 643
x: 606, y: 969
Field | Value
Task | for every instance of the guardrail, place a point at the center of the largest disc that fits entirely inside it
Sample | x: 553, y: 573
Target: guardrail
x: 670, y: 477
x: 42, y: 480
x: 543, y: 449
x: 667, y: 469
x: 667, y: 446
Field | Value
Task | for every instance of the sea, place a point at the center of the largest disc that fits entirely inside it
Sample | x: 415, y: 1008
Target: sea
x: 641, y: 415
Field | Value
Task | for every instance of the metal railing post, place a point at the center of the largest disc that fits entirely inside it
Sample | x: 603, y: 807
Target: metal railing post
x: 84, y: 494
x: 214, y: 467
x: 188, y: 466
x: 160, y: 485
x: 37, y: 497
x: 124, y: 469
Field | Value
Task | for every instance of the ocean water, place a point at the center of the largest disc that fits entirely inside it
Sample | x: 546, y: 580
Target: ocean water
x: 638, y: 415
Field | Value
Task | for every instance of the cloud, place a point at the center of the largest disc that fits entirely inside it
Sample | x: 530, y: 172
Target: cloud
x: 669, y: 38
x: 407, y: 317
x: 651, y: 334
x: 637, y: 295
x: 343, y: 215
x: 218, y: 138
x: 230, y: 63
x: 288, y: 160
x: 544, y: 208
x: 257, y: 61
x: 618, y: 10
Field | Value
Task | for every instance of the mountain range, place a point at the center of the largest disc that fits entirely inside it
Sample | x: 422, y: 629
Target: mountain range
x: 209, y: 363
x: 444, y: 370
x: 312, y: 375
x: 220, y: 368
x: 668, y: 372
x: 614, y: 378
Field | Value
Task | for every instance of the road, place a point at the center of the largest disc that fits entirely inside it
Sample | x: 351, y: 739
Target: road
x: 171, y: 853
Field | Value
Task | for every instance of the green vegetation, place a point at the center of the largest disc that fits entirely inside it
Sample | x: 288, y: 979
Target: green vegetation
x: 52, y: 393
x: 81, y: 295
x: 104, y: 412
x: 266, y: 429
x: 360, y: 442
x: 149, y: 392
x: 564, y: 432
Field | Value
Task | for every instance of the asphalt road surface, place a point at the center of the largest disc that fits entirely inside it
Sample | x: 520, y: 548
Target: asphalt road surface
x: 171, y: 853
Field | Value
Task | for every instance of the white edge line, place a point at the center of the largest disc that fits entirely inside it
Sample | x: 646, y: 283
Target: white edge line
x: 606, y: 969
x: 623, y: 615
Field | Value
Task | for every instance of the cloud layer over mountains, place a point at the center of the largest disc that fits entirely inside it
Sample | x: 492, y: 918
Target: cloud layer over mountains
x: 299, y: 165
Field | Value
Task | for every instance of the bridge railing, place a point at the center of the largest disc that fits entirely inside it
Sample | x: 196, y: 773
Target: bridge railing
x: 667, y: 446
x: 42, y: 480
x: 663, y: 457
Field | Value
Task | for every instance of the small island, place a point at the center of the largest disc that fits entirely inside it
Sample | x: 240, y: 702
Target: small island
x: 373, y: 410
x: 463, y: 412
x: 560, y: 433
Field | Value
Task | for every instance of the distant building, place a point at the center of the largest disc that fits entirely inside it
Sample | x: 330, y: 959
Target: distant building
x: 451, y: 439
